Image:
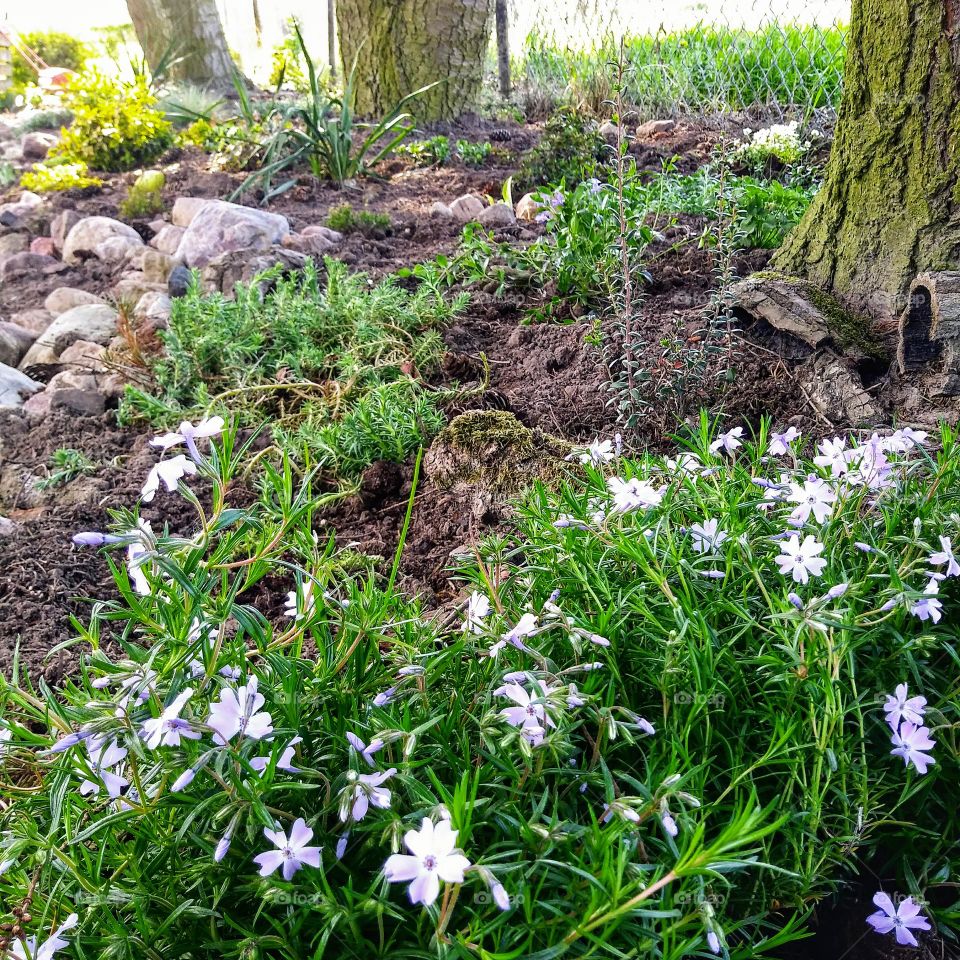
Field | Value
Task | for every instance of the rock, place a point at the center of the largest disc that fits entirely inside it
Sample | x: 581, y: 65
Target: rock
x: 528, y: 207
x: 156, y: 226
x: 228, y: 270
x: 94, y: 322
x: 168, y: 238
x: 36, y: 320
x: 26, y: 264
x: 88, y: 234
x: 14, y: 343
x: 61, y: 225
x: 185, y: 209
x: 15, y: 386
x: 117, y: 249
x: 13, y: 243
x: 157, y: 266
x: 154, y: 307
x: 73, y: 380
x: 84, y: 354
x: 27, y: 213
x: 36, y: 146
x: 133, y: 286
x: 488, y: 456
x: 220, y: 227
x: 466, y: 208
x: 43, y: 245
x: 612, y: 132
x: 654, y: 128
x: 498, y: 216
x: 84, y: 403
x: 8, y: 528
x: 333, y: 237
x: 310, y: 244
x: 440, y: 211
x: 66, y: 298
x: 178, y: 282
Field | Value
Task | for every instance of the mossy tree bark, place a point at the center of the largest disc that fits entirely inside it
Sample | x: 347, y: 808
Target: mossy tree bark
x: 402, y: 45
x: 189, y: 32
x: 889, y: 206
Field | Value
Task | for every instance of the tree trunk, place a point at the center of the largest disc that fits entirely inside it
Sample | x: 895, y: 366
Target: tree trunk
x: 402, y: 45
x: 503, y: 48
x: 189, y: 35
x: 889, y: 207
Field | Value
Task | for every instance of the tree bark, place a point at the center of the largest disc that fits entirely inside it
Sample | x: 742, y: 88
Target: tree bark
x: 402, y: 45
x: 187, y: 32
x: 503, y: 48
x: 889, y: 207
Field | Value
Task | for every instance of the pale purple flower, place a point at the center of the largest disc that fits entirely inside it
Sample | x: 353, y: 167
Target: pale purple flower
x: 707, y: 537
x: 801, y: 560
x: 525, y: 626
x: 299, y: 603
x: 713, y: 942
x: 910, y: 742
x: 384, y: 698
x: 928, y: 607
x: 478, y: 607
x: 686, y: 463
x: 646, y: 726
x: 104, y: 755
x: 189, y: 434
x: 946, y: 556
x: 222, y: 847
x: 137, y: 553
x: 432, y: 858
x: 813, y: 496
x: 90, y: 538
x: 70, y: 740
x: 500, y: 896
x: 170, y: 473
x: 363, y: 749
x: 863, y: 547
x: 23, y: 949
x: 833, y: 454
x: 369, y: 791
x: 169, y: 728
x: 903, y: 919
x: 837, y: 591
x: 795, y: 599
x: 780, y: 442
x: 618, y: 809
x: 728, y: 442
x: 238, y: 711
x: 669, y: 824
x: 574, y: 697
x: 412, y: 670
x: 899, y: 708
x: 285, y: 761
x: 633, y: 494
x: 231, y: 673
x: 530, y: 710
x: 292, y: 852
x: 184, y: 780
x: 593, y: 185
x: 341, y: 847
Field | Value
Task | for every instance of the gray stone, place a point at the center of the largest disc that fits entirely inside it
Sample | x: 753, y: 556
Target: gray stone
x: 440, y: 211
x: 61, y: 225
x: 528, y: 207
x: 498, y: 216
x: 28, y: 213
x: 466, y: 208
x: 179, y: 282
x: 90, y: 232
x: 25, y: 264
x: 94, y: 322
x: 133, y: 286
x: 244, y: 266
x: 13, y: 243
x: 66, y: 298
x: 15, y: 386
x: 313, y: 244
x: 8, y: 528
x: 84, y: 354
x: 36, y: 145
x: 168, y: 239
x: 86, y: 403
x: 117, y: 249
x: 14, y: 343
x: 220, y: 227
x: 185, y: 209
x: 36, y: 320
x: 612, y: 132
x: 155, y: 307
x: 653, y: 128
x: 333, y: 237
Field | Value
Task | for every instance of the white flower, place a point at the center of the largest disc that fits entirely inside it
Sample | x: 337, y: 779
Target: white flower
x: 688, y: 463
x: 801, y: 560
x: 284, y: 762
x: 530, y: 710
x: 103, y: 756
x: 170, y: 472
x: 780, y: 442
x: 598, y: 453
x: 299, y: 604
x: 728, y: 442
x: 29, y: 948
x: 238, y: 712
x: 833, y: 454
x: 928, y: 607
x: 137, y: 554
x: 433, y: 859
x: 707, y: 537
x: 291, y: 853
x: 478, y: 607
x: 168, y: 729
x: 633, y: 494
x: 946, y: 556
x: 5, y: 735
x: 526, y: 625
x: 812, y: 496
x: 190, y: 434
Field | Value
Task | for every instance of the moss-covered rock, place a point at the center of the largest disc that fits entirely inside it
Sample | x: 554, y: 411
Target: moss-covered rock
x: 490, y: 456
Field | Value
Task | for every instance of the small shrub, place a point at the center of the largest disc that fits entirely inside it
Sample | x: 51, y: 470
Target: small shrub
x: 568, y: 152
x: 54, y: 48
x: 473, y: 154
x: 347, y: 220
x: 145, y: 197
x: 780, y: 142
x: 66, y: 464
x: 55, y: 175
x: 434, y: 151
x: 115, y: 126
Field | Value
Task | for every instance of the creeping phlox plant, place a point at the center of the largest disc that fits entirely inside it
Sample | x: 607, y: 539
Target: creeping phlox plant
x: 780, y: 141
x: 663, y: 705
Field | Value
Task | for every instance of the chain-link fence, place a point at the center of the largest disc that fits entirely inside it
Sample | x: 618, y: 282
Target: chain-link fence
x: 690, y: 55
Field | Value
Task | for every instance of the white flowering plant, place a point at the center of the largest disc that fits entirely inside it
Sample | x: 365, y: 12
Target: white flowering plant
x: 683, y: 689
x: 780, y: 142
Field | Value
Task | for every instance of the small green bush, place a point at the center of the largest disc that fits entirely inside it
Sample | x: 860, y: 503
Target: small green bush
x: 52, y: 176
x: 347, y: 220
x: 568, y: 152
x: 145, y: 197
x: 116, y: 126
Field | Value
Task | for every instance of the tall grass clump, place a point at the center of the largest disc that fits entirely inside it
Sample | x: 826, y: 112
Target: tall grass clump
x: 683, y: 693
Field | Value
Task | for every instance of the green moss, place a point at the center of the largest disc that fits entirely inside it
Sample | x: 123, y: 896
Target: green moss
x: 491, y: 451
